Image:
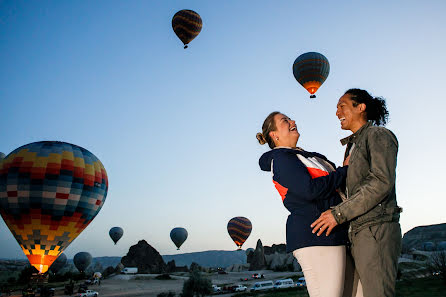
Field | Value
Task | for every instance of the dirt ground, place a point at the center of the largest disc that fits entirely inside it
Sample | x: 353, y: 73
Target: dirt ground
x: 147, y: 285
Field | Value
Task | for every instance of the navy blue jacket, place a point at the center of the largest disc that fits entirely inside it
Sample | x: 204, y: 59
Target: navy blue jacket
x: 307, y: 183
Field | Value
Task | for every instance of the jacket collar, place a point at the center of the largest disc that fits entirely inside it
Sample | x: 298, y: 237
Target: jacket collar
x: 353, y: 137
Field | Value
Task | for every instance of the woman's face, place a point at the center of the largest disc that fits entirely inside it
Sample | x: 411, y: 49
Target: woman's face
x: 286, y: 133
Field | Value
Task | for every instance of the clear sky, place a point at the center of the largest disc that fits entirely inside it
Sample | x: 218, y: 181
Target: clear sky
x: 175, y: 129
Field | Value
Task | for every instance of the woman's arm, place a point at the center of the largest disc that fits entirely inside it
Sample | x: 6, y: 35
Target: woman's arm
x: 292, y: 176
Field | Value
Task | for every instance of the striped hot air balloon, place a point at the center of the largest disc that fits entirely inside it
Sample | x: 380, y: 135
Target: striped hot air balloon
x: 187, y: 25
x: 239, y: 228
x: 311, y: 70
x: 49, y: 192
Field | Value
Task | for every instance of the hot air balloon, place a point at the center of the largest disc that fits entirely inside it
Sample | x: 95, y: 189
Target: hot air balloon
x: 82, y: 260
x: 2, y: 156
x: 239, y: 229
x: 49, y: 192
x: 178, y: 236
x: 311, y: 70
x: 59, y: 263
x: 187, y: 25
x: 116, y: 233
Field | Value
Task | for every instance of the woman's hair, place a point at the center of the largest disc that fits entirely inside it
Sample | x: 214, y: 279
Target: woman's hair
x: 268, y: 125
x: 376, y: 110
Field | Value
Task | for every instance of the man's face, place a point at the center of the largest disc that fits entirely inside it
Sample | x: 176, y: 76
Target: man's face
x: 351, y: 117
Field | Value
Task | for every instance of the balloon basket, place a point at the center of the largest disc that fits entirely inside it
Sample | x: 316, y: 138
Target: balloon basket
x: 313, y: 96
x: 39, y: 278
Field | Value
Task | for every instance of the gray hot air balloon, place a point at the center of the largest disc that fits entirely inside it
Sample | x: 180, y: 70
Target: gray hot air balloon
x: 178, y: 236
x: 116, y: 233
x: 59, y: 263
x: 82, y: 260
x: 2, y: 156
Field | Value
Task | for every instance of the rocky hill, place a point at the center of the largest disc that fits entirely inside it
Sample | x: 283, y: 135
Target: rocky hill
x: 209, y: 258
x: 415, y: 237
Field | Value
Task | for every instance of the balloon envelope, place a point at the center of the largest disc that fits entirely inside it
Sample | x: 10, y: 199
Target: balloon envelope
x: 187, y: 25
x: 311, y: 70
x: 49, y: 192
x: 116, y: 233
x: 59, y: 263
x: 178, y: 236
x: 239, y: 228
x: 82, y: 260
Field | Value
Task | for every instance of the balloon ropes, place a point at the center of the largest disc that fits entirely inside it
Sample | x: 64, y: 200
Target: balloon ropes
x: 311, y: 70
x: 187, y: 25
x: 116, y: 233
x: 82, y: 260
x: 49, y: 192
x: 178, y: 236
x: 239, y: 228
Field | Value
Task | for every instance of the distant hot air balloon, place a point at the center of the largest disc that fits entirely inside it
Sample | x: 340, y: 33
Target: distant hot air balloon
x: 239, y: 229
x: 178, y: 236
x: 187, y: 25
x: 2, y: 156
x: 116, y: 233
x: 311, y: 70
x: 82, y: 260
x: 49, y: 192
x: 59, y: 263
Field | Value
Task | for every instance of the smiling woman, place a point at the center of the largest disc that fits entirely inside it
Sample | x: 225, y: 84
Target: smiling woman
x: 307, y: 184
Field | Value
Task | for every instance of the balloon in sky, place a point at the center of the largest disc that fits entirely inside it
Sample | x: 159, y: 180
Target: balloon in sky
x: 178, y: 236
x: 82, y: 260
x: 116, y: 233
x: 49, y: 192
x: 187, y: 25
x: 59, y: 263
x: 2, y: 156
x: 239, y: 229
x: 311, y: 70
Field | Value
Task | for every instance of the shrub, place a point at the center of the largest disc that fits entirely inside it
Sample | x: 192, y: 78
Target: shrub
x: 196, y: 285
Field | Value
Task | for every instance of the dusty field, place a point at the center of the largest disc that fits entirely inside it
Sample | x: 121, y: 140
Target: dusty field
x: 147, y: 285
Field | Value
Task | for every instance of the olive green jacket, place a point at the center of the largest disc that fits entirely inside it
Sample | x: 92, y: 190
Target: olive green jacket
x: 370, y: 197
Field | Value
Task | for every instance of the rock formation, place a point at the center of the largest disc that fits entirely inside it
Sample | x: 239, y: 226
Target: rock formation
x: 416, y: 237
x: 256, y: 259
x: 145, y: 257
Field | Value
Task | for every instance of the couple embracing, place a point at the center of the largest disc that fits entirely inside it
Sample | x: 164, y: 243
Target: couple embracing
x: 343, y: 226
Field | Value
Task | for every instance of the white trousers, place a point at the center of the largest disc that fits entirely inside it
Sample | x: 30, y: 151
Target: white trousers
x: 323, y: 268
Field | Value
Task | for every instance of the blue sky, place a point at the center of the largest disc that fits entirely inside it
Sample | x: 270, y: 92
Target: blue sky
x: 175, y: 128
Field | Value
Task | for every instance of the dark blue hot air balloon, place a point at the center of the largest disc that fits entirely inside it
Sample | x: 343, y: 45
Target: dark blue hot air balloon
x: 116, y: 233
x: 311, y: 70
x: 59, y: 263
x: 178, y: 236
x: 82, y: 260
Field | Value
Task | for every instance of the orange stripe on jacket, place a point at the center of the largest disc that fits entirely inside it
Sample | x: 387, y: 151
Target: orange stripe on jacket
x: 281, y: 189
x: 316, y: 172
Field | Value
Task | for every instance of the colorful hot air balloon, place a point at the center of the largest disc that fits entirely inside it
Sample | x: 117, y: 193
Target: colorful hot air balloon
x: 49, y: 192
x: 239, y: 229
x: 187, y: 25
x: 178, y: 236
x: 116, y: 233
x: 59, y: 263
x: 311, y: 70
x: 82, y: 260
